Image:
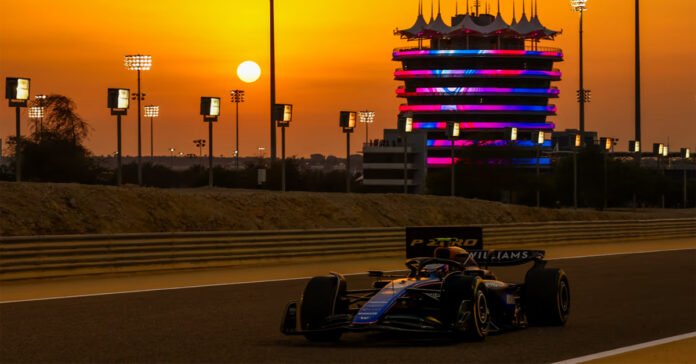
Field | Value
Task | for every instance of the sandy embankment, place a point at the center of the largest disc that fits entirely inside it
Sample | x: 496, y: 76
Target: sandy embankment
x: 47, y: 208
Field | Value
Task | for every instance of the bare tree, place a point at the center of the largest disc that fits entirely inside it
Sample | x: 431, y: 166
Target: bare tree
x: 61, y: 120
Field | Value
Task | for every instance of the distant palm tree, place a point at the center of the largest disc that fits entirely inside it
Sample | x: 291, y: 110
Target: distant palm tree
x: 61, y: 121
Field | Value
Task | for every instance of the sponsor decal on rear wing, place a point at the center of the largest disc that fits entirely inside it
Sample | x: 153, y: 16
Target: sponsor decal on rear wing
x: 422, y: 241
x: 506, y: 257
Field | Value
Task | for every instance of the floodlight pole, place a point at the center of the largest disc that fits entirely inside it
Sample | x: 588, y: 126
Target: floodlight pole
x: 452, y: 162
x: 684, y: 197
x: 662, y: 169
x: 367, y: 138
x: 605, y: 187
x: 18, y: 146
x: 210, y: 154
x: 582, y: 86
x: 282, y: 143
x: 140, y: 157
x: 237, y: 97
x: 637, y: 75
x: 348, y: 161
x: 119, y: 173
x: 152, y: 139
x: 236, y: 136
x: 575, y: 177
x: 273, y: 86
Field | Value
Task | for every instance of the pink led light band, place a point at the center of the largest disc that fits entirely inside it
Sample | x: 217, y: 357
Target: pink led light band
x: 408, y: 74
x: 549, y: 109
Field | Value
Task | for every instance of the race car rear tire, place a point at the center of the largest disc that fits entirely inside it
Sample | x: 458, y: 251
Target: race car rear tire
x: 323, y: 296
x: 546, y: 297
x: 465, y: 307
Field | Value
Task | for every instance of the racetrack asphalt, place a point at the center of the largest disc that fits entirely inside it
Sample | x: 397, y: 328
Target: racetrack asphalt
x: 617, y: 301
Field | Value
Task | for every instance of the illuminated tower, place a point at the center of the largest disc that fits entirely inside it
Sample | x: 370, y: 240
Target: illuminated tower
x: 487, y: 76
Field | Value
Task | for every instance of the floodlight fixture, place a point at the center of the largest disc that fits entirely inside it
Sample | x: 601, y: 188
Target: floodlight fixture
x: 657, y: 148
x: 138, y: 62
x: 539, y: 137
x: 283, y: 114
x: 578, y: 5
x: 665, y: 150
x: 453, y: 130
x: 578, y: 141
x: 347, y: 120
x: 118, y: 100
x: 367, y: 117
x: 606, y: 143
x: 237, y: 96
x: 511, y: 134
x: 36, y: 112
x: 17, y: 91
x: 408, y: 126
x: 210, y: 108
x: 634, y: 146
x: 685, y: 153
x: 151, y: 111
x: 405, y: 122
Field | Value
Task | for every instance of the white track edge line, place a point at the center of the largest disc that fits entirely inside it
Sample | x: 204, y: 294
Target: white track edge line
x: 296, y: 279
x: 627, y: 349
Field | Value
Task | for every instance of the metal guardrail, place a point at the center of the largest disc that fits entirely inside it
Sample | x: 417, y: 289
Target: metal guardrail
x: 65, y: 255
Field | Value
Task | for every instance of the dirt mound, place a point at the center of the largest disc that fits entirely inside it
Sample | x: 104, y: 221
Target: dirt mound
x: 46, y: 208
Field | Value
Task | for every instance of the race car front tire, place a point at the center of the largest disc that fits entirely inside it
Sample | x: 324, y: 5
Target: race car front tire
x: 465, y: 306
x: 322, y: 297
x: 546, y: 297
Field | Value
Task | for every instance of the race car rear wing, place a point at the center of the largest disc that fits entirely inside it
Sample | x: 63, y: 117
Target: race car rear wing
x: 422, y: 242
x: 499, y: 258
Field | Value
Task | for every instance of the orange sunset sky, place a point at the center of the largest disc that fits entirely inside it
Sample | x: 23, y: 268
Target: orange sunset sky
x: 331, y: 56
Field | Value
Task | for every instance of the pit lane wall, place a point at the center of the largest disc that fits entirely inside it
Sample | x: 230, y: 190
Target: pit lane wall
x: 31, y: 257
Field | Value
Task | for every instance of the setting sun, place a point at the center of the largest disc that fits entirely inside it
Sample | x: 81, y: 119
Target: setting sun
x: 249, y: 71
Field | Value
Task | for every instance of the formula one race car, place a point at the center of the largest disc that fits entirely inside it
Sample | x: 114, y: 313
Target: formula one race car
x: 447, y: 290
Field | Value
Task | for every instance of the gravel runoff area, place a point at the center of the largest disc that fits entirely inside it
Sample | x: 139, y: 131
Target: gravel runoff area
x: 50, y: 208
